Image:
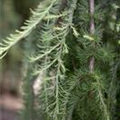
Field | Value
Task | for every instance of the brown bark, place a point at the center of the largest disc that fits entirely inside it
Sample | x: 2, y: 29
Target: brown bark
x: 92, y: 30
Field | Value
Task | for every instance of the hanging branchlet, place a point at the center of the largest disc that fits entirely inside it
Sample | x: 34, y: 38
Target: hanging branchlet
x: 50, y: 57
x: 37, y: 16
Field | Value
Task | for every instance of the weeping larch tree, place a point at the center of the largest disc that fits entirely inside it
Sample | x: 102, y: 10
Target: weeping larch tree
x: 74, y: 52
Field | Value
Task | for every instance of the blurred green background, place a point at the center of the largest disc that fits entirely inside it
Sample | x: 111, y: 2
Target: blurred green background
x: 13, y: 13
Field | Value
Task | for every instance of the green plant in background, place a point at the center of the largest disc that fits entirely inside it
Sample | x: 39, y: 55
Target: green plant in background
x: 75, y: 52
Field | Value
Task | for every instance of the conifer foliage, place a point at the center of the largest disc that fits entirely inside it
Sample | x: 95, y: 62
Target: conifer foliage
x: 76, y: 54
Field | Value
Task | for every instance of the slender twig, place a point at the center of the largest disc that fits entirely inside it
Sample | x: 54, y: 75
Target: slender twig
x: 92, y: 30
